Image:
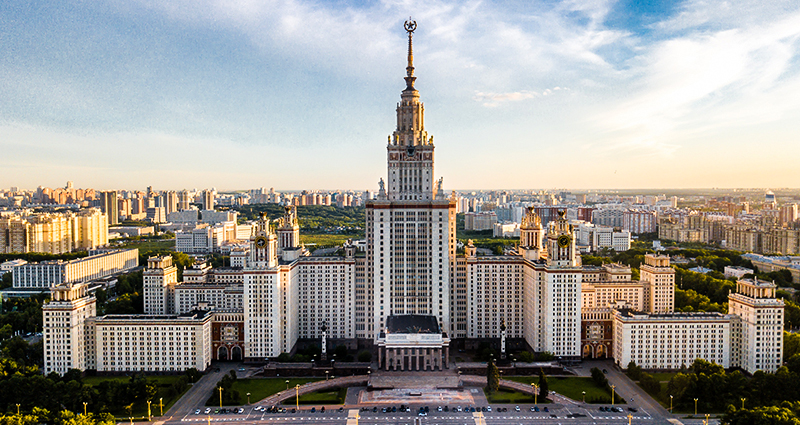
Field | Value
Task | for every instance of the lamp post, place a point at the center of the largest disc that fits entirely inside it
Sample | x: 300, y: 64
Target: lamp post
x: 629, y: 418
x: 670, y: 403
x: 84, y: 412
x: 209, y: 419
x: 743, y: 399
x: 220, y: 397
x: 297, y: 396
x: 326, y: 375
x: 84, y: 409
x: 584, y: 396
x: 148, y: 410
x: 612, y: 394
x: 248, y: 398
x: 535, y: 393
x: 287, y: 384
x: 695, y: 406
x: 161, y: 405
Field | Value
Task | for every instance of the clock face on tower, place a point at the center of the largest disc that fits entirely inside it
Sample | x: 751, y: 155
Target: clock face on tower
x: 563, y: 241
x: 261, y: 242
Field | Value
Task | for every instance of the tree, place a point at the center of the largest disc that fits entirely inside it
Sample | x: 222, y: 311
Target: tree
x: 634, y: 371
x: 544, y: 389
x: 193, y: 374
x: 492, y: 377
x: 599, y: 378
x: 365, y: 356
x: 650, y: 383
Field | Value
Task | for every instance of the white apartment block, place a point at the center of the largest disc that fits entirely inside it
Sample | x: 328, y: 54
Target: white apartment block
x: 49, y: 274
x: 736, y: 271
x: 671, y: 340
x: 153, y: 343
x: 326, y: 295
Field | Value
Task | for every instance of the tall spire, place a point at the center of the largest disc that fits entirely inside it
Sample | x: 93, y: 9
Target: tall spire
x: 410, y: 26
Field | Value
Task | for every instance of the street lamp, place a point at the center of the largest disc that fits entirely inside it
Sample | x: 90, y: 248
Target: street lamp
x: 248, y: 398
x: 743, y: 399
x: 148, y: 409
x: 670, y: 403
x: 297, y: 396
x: 612, y: 394
x: 18, y: 409
x: 584, y: 396
x: 695, y: 406
x: 84, y: 408
x: 220, y: 397
x: 287, y: 384
x: 161, y: 405
x: 326, y: 375
x: 209, y: 419
x: 535, y: 393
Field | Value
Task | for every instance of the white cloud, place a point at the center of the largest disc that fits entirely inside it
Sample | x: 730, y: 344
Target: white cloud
x: 495, y: 99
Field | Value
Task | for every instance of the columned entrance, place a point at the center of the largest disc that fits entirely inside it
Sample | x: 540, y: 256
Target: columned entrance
x: 413, y: 343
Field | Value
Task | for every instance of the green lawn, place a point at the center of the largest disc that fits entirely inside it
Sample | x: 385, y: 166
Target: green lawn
x: 507, y: 396
x: 261, y: 388
x: 162, y: 381
x: 324, y: 397
x: 573, y: 387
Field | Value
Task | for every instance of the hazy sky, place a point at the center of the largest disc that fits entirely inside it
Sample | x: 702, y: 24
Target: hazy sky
x: 293, y: 94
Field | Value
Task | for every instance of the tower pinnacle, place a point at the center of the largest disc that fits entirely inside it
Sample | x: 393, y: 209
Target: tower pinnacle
x: 410, y: 26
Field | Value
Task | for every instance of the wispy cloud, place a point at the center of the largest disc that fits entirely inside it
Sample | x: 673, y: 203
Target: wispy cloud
x: 492, y: 100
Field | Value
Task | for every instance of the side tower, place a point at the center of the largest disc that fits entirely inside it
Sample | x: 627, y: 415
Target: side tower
x: 659, y: 279
x: 68, y: 334
x: 160, y: 278
x: 411, y: 225
x: 757, y: 339
x: 288, y: 229
x: 531, y: 245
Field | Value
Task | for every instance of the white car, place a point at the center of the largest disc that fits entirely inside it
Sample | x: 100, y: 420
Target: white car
x: 516, y: 408
x: 197, y: 412
x: 208, y: 410
x: 488, y: 408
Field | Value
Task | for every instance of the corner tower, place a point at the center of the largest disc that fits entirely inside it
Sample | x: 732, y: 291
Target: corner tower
x: 411, y: 226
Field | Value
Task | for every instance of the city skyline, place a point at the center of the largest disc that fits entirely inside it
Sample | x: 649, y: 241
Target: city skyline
x: 237, y: 95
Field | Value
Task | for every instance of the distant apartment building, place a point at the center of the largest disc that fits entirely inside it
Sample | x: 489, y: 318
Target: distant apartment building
x: 639, y: 221
x: 736, y: 271
x: 479, y: 221
x: 54, y: 233
x: 49, y: 274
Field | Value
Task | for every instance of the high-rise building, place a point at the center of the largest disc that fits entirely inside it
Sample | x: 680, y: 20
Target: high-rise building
x: 208, y: 200
x: 411, y: 225
x: 184, y: 199
x: 109, y: 206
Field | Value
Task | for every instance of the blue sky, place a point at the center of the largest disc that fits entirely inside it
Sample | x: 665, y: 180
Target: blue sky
x: 237, y: 94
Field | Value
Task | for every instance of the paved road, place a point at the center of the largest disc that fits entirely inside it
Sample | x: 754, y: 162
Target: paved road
x: 197, y: 395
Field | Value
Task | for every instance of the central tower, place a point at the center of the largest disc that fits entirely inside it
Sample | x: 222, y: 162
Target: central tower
x: 410, y: 149
x: 411, y: 226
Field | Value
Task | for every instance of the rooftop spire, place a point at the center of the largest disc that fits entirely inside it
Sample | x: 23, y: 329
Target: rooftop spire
x: 410, y: 26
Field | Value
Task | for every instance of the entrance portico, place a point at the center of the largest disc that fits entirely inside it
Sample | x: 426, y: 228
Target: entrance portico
x: 413, y: 342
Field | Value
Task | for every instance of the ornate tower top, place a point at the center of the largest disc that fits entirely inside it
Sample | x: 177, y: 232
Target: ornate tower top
x: 410, y: 26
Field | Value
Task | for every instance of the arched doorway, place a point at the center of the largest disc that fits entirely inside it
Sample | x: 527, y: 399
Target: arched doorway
x: 236, y: 353
x: 222, y: 353
x: 587, y: 351
x: 601, y: 352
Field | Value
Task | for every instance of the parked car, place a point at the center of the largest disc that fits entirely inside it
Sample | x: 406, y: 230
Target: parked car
x: 516, y: 408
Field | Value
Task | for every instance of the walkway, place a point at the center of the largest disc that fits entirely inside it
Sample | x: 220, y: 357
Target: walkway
x: 311, y: 387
